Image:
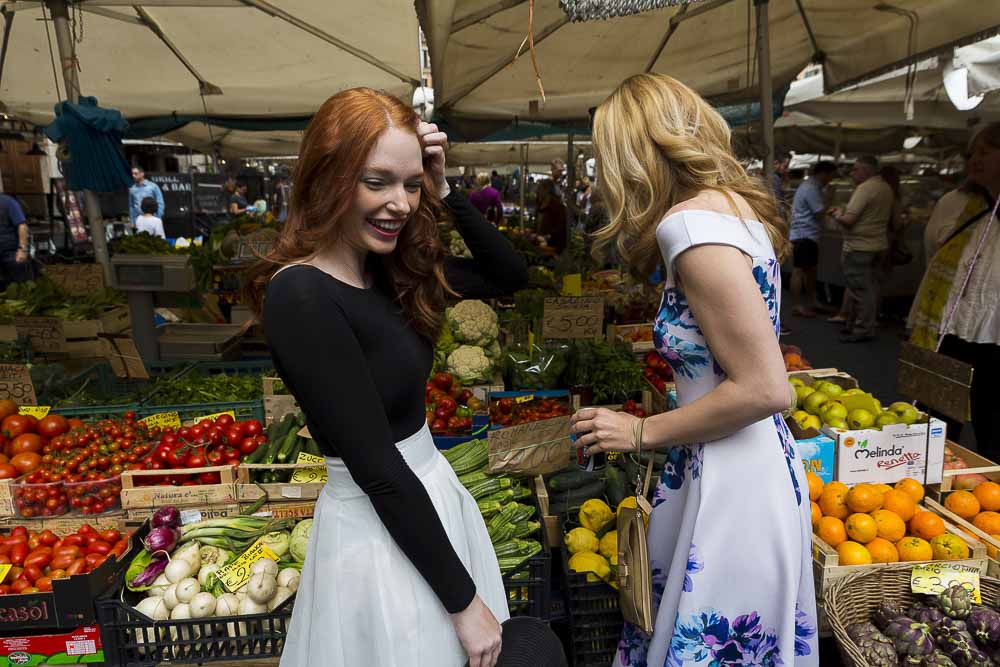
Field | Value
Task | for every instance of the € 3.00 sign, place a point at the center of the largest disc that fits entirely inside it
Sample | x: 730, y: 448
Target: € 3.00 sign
x: 236, y: 575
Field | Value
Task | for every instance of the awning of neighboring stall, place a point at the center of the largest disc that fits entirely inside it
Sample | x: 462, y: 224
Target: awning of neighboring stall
x: 506, y: 153
x: 708, y: 44
x: 228, y: 59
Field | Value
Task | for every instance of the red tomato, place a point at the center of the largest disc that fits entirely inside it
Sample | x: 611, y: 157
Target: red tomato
x: 4, y: 589
x: 4, y: 559
x: 48, y: 538
x: 18, y: 553
x: 224, y: 420
x: 26, y: 442
x: 99, y: 547
x: 52, y: 425
x: 44, y: 584
x: 234, y: 435
x: 120, y: 548
x: 7, y: 471
x: 110, y: 536
x: 61, y: 562
x: 74, y: 540
x: 40, y: 558
x: 443, y: 381
x: 95, y: 562
x: 71, y: 550
x: 19, y: 531
x: 26, y: 462
x: 252, y: 427
x: 86, y: 529
x: 76, y: 567
x: 209, y: 478
x: 16, y: 425
x: 19, y: 586
x: 75, y: 423
x: 56, y: 574
x: 439, y: 425
x: 248, y: 446
x: 32, y: 573
x: 195, y: 460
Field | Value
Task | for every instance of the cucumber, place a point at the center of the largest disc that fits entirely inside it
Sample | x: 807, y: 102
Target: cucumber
x: 312, y: 447
x: 594, y: 489
x: 281, y: 456
x: 572, y: 479
x: 616, y: 485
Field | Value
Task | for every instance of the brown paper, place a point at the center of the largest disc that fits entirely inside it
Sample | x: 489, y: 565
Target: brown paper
x: 46, y: 333
x: 124, y: 357
x: 535, y: 448
x: 16, y: 385
x: 573, y: 317
x: 77, y: 279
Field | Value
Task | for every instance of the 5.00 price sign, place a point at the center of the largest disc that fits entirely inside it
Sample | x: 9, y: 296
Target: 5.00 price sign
x: 573, y: 317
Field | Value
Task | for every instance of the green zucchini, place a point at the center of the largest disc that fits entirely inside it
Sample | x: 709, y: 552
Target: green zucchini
x: 471, y: 478
x: 573, y: 479
x: 616, y: 485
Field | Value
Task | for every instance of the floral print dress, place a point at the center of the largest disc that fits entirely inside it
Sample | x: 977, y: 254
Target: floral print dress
x: 730, y: 533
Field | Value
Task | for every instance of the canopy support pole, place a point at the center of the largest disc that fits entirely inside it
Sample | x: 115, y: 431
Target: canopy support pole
x: 524, y: 178
x: 67, y: 57
x: 766, y: 100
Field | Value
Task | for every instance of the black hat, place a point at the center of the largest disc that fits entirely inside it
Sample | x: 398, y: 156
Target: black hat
x: 528, y: 642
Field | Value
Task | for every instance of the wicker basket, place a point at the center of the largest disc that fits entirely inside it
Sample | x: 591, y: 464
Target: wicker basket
x: 854, y: 599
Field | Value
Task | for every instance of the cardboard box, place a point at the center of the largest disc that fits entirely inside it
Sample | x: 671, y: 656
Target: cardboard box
x: 82, y: 645
x: 889, y: 455
x: 6, y: 499
x: 819, y: 456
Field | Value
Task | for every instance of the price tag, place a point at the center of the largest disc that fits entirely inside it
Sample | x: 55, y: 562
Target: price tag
x: 573, y: 317
x: 934, y: 578
x: 572, y: 285
x: 190, y: 516
x: 4, y: 569
x: 16, y: 385
x: 309, y: 475
x: 524, y: 399
x: 162, y: 420
x: 46, y: 333
x: 535, y: 448
x: 36, y: 411
x: 304, y: 433
x: 231, y: 413
x: 77, y: 279
x: 236, y: 575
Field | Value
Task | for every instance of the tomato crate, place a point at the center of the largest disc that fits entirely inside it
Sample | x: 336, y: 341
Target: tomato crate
x: 132, y: 639
x: 141, y: 501
x: 594, y: 616
x: 510, y: 408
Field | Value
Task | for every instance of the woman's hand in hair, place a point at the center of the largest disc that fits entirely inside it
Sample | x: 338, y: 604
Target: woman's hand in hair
x: 434, y: 143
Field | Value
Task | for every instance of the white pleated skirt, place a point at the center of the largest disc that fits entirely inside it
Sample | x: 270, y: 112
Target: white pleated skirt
x: 360, y: 600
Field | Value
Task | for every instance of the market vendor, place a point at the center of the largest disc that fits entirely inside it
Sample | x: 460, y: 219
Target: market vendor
x: 238, y: 202
x: 13, y: 242
x: 139, y: 191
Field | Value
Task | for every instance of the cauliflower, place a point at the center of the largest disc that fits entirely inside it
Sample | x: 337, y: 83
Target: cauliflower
x: 493, y: 350
x: 456, y: 244
x: 470, y: 364
x: 473, y: 322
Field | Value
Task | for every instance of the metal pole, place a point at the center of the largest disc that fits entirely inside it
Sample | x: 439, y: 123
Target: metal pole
x: 67, y: 57
x: 764, y: 74
x: 524, y: 178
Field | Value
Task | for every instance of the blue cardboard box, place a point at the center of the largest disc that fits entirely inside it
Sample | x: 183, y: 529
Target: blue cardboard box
x: 819, y: 456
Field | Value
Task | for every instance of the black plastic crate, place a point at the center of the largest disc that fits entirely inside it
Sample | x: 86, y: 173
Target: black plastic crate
x: 594, y: 617
x: 528, y: 587
x: 133, y: 640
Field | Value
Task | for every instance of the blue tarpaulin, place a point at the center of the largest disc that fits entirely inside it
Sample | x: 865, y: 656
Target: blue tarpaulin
x: 94, y: 137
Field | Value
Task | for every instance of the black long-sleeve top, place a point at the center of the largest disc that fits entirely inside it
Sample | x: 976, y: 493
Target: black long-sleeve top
x: 358, y: 370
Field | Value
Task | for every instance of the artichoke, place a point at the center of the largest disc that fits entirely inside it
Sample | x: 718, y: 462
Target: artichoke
x: 956, y: 602
x: 924, y: 614
x: 877, y: 649
x: 887, y: 612
x: 984, y: 624
x: 937, y: 659
x: 960, y: 647
x: 915, y: 640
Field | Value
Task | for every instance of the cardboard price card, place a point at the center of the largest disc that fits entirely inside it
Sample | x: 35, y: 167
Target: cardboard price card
x: 934, y: 578
x: 535, y: 448
x: 77, y: 279
x: 46, y: 333
x: 162, y: 420
x: 573, y: 317
x: 16, y: 385
x: 236, y: 575
x: 36, y: 411
x: 315, y: 475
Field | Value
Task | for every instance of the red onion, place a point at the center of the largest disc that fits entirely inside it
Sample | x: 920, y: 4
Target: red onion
x: 166, y: 517
x: 149, y: 575
x: 161, y: 539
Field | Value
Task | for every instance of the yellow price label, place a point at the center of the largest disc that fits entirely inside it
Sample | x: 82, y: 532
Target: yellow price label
x: 4, y: 569
x: 231, y: 413
x: 524, y: 399
x: 162, y: 420
x: 934, y: 578
x: 36, y: 411
x: 572, y: 285
x: 236, y: 575
x: 310, y: 475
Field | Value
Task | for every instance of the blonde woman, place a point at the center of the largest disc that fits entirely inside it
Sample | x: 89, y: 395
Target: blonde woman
x: 729, y: 536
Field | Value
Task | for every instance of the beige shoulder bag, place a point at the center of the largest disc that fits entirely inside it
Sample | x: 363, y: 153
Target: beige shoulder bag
x: 635, y: 577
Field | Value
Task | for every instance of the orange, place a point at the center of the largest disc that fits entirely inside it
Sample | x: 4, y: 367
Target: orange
x: 862, y: 528
x: 988, y: 495
x: 901, y: 503
x: 832, y: 501
x: 988, y: 522
x: 817, y: 514
x: 882, y: 551
x: 864, y: 498
x: 831, y: 531
x: 815, y: 486
x: 890, y: 526
x: 852, y: 553
x: 837, y: 485
x: 949, y: 547
x: 926, y: 525
x: 912, y: 488
x: 883, y: 488
x: 962, y: 503
x: 914, y: 549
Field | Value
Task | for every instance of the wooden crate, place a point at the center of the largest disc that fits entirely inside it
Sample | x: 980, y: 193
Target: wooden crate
x: 285, y: 510
x: 142, y: 501
x: 618, y: 333
x: 6, y: 498
x: 136, y: 517
x: 551, y: 523
x: 978, y: 465
x: 659, y: 403
x: 81, y: 338
x: 248, y: 491
x: 988, y: 540
x: 63, y: 525
x: 827, y: 568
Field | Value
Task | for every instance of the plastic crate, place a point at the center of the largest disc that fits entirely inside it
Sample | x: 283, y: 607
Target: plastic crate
x: 133, y: 640
x: 594, y: 617
x: 242, y: 410
x: 528, y: 587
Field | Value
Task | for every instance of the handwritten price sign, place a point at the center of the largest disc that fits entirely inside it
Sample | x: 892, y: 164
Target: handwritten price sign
x: 46, y: 333
x: 16, y: 385
x: 934, y: 578
x: 162, y: 420
x: 236, y: 575
x: 534, y: 448
x: 77, y: 279
x: 310, y: 475
x: 573, y: 317
x: 36, y: 411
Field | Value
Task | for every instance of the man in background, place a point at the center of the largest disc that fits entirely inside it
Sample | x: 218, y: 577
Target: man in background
x: 808, y: 206
x: 13, y: 242
x: 140, y: 191
x: 865, y: 223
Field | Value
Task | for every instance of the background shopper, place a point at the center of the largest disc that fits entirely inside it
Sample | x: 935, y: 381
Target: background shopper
x: 808, y: 207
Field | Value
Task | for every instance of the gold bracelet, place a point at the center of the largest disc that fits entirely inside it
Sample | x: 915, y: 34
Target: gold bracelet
x: 637, y: 434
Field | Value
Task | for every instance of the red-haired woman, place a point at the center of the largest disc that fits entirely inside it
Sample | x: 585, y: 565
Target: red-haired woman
x: 400, y: 570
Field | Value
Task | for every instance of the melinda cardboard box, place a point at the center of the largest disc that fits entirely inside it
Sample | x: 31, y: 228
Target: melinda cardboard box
x: 889, y: 455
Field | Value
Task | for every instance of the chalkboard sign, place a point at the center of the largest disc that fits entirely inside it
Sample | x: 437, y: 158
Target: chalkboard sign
x: 209, y: 194
x: 176, y: 189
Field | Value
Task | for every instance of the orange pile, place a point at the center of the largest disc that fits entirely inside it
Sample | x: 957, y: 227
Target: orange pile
x: 877, y: 523
x: 980, y: 507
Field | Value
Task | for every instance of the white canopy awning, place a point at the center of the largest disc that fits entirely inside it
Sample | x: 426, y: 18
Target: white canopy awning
x: 503, y: 153
x: 249, y: 57
x: 707, y: 44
